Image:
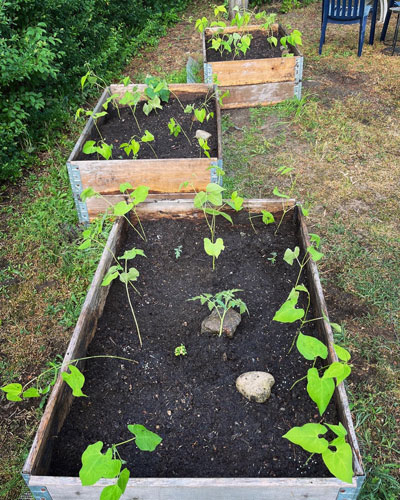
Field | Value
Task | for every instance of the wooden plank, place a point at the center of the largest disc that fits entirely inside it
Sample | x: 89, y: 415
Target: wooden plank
x: 247, y: 96
x: 65, y: 488
x: 60, y: 398
x: 252, y: 71
x: 320, y: 310
x: 219, y: 122
x: 234, y: 29
x: 160, y: 175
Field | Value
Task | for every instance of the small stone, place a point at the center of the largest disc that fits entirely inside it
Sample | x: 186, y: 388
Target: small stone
x: 224, y: 357
x: 212, y: 323
x: 169, y: 412
x: 255, y: 386
x: 202, y: 134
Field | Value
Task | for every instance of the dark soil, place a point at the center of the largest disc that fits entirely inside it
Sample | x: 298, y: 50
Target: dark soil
x: 260, y: 48
x: 118, y: 130
x: 208, y: 428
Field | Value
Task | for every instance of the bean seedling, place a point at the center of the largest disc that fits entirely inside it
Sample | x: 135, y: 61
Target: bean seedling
x: 180, y: 350
x: 126, y: 276
x: 222, y: 302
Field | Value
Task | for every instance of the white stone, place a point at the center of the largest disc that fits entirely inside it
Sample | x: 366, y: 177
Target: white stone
x: 202, y: 134
x: 255, y: 386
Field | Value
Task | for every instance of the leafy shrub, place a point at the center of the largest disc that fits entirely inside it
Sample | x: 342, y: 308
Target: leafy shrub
x: 45, y: 47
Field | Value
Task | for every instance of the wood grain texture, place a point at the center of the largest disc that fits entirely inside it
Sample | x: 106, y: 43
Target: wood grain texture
x: 252, y: 71
x: 160, y: 175
x: 263, y: 94
x: 234, y: 29
x: 324, y: 327
x: 60, y: 399
x: 65, y: 488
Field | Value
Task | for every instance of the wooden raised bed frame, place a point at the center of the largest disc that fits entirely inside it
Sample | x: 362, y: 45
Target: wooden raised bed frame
x: 60, y: 400
x: 255, y: 82
x: 160, y: 175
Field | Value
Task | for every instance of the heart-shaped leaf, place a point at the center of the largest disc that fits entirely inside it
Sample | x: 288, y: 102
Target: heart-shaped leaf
x: 307, y: 436
x: 145, y: 439
x: 319, y: 389
x: 75, y: 380
x: 122, y: 208
x: 339, y: 462
x: 337, y: 370
x: 291, y: 255
x: 12, y: 391
x: 96, y: 465
x: 214, y: 249
x: 310, y: 347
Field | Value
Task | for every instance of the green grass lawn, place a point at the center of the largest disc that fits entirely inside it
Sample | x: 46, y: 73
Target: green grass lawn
x: 343, y: 142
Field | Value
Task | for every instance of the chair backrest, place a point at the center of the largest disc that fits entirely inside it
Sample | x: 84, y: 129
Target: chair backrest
x: 344, y: 10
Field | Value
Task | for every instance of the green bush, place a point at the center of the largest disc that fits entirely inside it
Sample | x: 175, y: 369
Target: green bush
x: 47, y: 45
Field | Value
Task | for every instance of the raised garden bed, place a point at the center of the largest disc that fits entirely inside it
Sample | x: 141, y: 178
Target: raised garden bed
x: 259, y: 78
x: 176, y: 159
x: 216, y: 444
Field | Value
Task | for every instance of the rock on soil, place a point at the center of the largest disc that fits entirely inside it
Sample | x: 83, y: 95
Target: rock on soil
x: 255, y: 386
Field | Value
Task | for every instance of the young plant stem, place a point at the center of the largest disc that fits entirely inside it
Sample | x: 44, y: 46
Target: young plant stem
x: 143, y: 235
x: 134, y: 116
x: 130, y: 305
x: 155, y: 154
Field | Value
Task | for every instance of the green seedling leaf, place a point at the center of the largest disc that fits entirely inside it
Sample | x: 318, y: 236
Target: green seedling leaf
x: 214, y: 193
x: 110, y: 276
x: 75, y: 380
x: 319, y: 389
x: 214, y: 249
x: 212, y: 211
x: 200, y: 114
x: 12, y: 391
x: 291, y: 255
x: 88, y: 193
x: 131, y: 254
x: 301, y: 288
x: 267, y: 217
x: 288, y: 313
x: 339, y: 462
x: 315, y: 255
x: 96, y: 465
x: 131, y: 275
x: 140, y: 194
x: 122, y: 208
x: 148, y: 137
x: 342, y: 353
x: 339, y: 430
x: 125, y: 186
x: 123, y: 480
x: 32, y: 392
x: 236, y: 201
x: 307, y: 436
x: 89, y: 147
x: 112, y: 492
x: 304, y: 211
x: 337, y: 370
x: 200, y: 199
x: 314, y: 238
x: 310, y: 347
x: 280, y: 195
x: 145, y: 439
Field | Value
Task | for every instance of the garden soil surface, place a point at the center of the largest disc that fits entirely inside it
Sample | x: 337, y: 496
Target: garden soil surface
x: 260, y: 48
x: 118, y: 129
x: 208, y: 428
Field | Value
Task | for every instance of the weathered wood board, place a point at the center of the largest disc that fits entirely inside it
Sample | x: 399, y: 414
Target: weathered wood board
x: 255, y: 82
x: 160, y: 175
x: 63, y: 488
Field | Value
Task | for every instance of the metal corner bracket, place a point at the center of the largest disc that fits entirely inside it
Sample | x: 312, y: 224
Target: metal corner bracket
x: 208, y: 73
x: 215, y: 176
x: 351, y: 493
x: 76, y: 185
x: 298, y: 76
x: 38, y: 492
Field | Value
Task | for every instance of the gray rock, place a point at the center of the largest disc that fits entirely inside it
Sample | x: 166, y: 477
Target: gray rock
x: 211, y: 324
x: 202, y: 134
x: 255, y: 386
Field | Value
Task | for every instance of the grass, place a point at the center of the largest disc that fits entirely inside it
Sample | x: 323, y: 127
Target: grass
x: 342, y: 140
